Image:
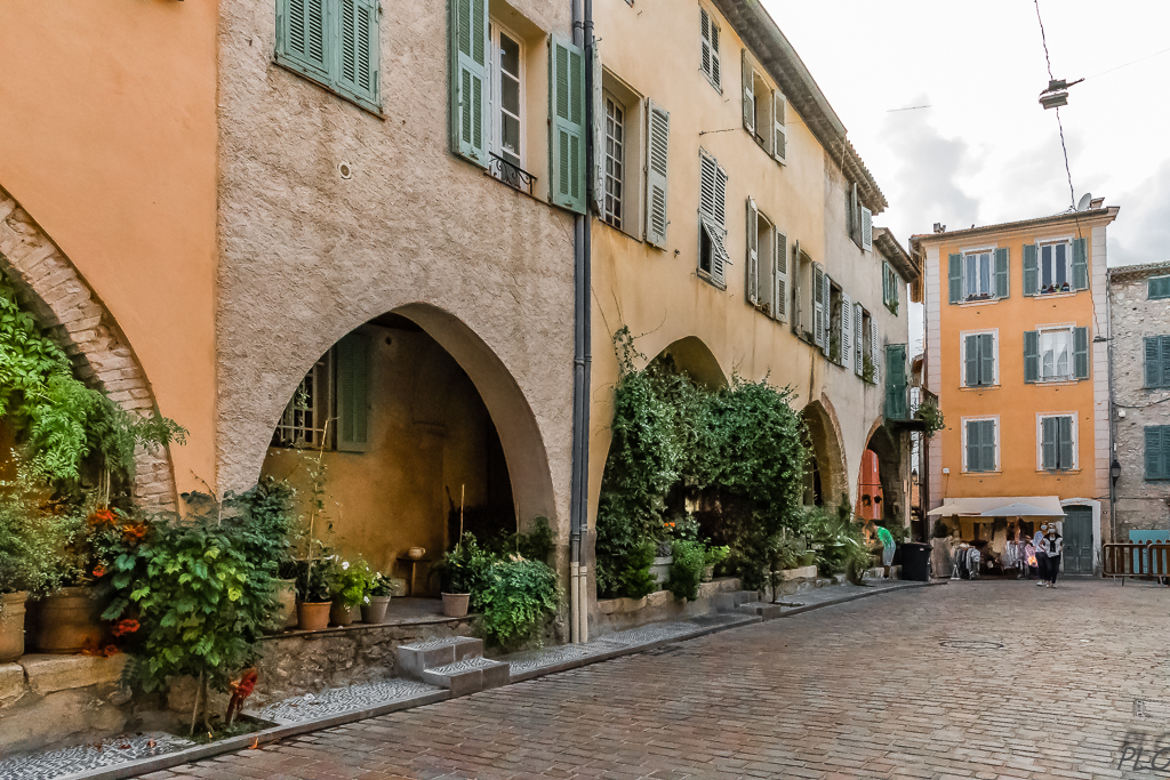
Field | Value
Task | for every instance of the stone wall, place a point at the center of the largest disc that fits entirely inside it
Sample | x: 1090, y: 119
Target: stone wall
x: 620, y: 614
x: 1140, y: 504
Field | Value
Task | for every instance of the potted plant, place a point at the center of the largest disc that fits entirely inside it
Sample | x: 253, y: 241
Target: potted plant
x: 714, y: 556
x: 314, y: 598
x: 463, y: 570
x: 349, y: 581
x: 377, y: 599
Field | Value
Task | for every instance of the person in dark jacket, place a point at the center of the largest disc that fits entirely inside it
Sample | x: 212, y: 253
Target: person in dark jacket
x: 1053, y: 547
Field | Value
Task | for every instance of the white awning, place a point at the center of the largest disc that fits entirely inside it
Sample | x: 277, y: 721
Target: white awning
x: 1000, y: 506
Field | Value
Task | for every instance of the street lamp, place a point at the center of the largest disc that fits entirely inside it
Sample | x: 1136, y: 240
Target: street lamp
x: 1115, y: 470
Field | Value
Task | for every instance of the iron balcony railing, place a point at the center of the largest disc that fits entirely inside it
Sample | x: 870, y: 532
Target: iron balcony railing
x: 510, y: 173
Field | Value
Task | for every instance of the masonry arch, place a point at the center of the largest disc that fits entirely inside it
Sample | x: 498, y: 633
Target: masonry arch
x: 51, y: 286
x: 691, y: 355
x: 421, y: 427
x: 826, y: 483
x: 880, y: 490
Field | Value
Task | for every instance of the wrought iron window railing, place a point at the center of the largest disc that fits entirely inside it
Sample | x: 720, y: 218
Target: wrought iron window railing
x: 510, y: 173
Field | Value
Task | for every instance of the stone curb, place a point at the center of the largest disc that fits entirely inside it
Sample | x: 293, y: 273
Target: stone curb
x: 276, y: 733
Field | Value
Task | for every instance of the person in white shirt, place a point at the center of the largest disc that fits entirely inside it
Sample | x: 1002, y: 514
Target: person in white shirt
x: 1053, y: 546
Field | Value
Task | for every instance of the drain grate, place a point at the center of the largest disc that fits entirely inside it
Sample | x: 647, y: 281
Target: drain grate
x: 971, y: 644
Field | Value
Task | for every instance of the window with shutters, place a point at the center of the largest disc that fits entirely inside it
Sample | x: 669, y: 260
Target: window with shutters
x: 1157, y: 454
x: 766, y: 276
x: 620, y: 129
x: 835, y: 336
x: 713, y: 258
x: 334, y: 43
x: 506, y: 64
x: 979, y: 359
x: 1157, y: 361
x: 1056, y: 354
x: 303, y: 423
x: 709, y: 49
x: 890, y: 285
x: 1158, y: 287
x: 802, y: 277
x: 1056, y: 442
x: 868, y: 348
x: 980, y: 444
x: 1055, y: 267
x: 615, y: 161
x: 764, y: 109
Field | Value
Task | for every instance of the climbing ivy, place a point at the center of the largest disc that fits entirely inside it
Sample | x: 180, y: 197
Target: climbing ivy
x: 59, y: 420
x: 739, y: 449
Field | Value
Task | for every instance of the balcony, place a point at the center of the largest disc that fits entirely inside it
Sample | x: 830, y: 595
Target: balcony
x: 510, y: 173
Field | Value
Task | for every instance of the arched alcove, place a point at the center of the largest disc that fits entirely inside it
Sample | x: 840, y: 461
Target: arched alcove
x: 827, y: 484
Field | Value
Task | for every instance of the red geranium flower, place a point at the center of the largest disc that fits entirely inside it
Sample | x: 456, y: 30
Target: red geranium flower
x: 99, y: 571
x: 125, y: 626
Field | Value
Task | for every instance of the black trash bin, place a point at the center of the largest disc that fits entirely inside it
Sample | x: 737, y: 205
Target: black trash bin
x: 916, y: 561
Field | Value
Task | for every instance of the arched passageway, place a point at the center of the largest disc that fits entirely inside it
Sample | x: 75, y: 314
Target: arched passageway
x: 880, y: 488
x: 825, y: 483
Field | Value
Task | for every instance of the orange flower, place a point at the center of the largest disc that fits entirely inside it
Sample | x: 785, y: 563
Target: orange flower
x: 99, y: 571
x: 133, y: 531
x: 125, y: 626
x: 103, y: 517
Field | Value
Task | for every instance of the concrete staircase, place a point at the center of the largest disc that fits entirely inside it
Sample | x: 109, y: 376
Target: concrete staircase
x: 455, y: 663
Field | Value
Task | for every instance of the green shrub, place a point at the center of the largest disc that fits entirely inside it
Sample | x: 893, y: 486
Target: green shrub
x: 686, y: 569
x: 520, y: 595
x: 537, y: 544
x: 464, y: 569
x: 34, y: 537
x: 635, y: 579
x: 350, y: 581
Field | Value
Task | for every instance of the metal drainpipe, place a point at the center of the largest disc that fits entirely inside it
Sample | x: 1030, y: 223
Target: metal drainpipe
x: 582, y: 324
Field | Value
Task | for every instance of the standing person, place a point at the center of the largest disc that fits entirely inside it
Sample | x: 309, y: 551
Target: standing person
x: 1053, y: 546
x: 888, y: 546
x: 1041, y: 555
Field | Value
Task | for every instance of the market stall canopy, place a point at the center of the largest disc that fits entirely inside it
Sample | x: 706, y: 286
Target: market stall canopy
x: 1002, y: 506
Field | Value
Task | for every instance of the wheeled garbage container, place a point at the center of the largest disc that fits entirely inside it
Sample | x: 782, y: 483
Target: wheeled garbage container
x: 916, y: 561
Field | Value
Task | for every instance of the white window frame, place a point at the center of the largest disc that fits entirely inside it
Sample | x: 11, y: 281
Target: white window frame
x: 616, y: 217
x: 1076, y: 441
x: 495, y: 100
x: 710, y: 45
x: 1068, y: 327
x: 320, y: 387
x: 998, y: 461
x: 994, y: 333
x: 1051, y: 243
x: 966, y: 293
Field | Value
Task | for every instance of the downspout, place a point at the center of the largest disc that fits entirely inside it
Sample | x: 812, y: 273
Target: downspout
x: 582, y: 326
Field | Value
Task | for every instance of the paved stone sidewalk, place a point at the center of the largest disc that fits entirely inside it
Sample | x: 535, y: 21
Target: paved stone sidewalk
x: 982, y: 679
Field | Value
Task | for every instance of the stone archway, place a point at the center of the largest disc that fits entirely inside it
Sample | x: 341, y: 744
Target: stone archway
x: 60, y: 298
x: 827, y: 451
x: 693, y: 357
x: 883, y: 444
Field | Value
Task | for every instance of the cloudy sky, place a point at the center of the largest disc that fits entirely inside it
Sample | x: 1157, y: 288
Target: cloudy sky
x: 984, y: 150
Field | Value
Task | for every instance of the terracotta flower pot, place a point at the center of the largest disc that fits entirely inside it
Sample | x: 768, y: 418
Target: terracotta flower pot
x: 286, y: 614
x: 313, y: 616
x: 340, y: 614
x: 456, y: 604
x: 12, y: 625
x: 68, y: 621
x: 375, y: 611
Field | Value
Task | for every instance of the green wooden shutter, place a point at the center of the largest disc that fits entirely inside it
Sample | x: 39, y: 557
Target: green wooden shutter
x: 986, y: 359
x: 657, y: 148
x: 357, y: 73
x: 1064, y: 438
x: 955, y: 277
x: 1001, y: 273
x: 1031, y: 270
x: 1031, y: 356
x: 1163, y: 359
x: 970, y: 361
x: 353, y: 392
x: 987, y: 445
x: 1080, y: 265
x: 973, y: 447
x: 1153, y: 456
x: 1158, y: 287
x: 597, y: 132
x: 895, y: 286
x: 468, y: 47
x: 896, y: 382
x: 1153, y: 361
x: 567, y: 126
x: 1048, y: 443
x: 300, y: 36
x: 1081, y: 353
x: 752, y: 284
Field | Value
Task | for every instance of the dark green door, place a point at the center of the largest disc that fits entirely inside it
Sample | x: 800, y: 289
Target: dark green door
x: 1078, y: 540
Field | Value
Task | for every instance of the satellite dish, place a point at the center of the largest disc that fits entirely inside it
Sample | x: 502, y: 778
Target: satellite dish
x: 1083, y: 203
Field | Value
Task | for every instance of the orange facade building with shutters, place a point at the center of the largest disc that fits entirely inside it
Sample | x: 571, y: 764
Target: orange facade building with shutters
x: 1016, y: 333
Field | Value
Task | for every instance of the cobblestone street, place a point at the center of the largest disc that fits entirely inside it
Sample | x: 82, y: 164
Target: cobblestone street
x: 984, y: 679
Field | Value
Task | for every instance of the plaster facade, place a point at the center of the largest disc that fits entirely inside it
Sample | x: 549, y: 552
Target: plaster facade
x: 331, y: 216
x: 1141, y: 503
x: 652, y: 52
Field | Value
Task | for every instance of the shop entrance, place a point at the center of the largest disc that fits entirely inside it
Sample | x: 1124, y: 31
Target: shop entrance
x: 1078, y: 540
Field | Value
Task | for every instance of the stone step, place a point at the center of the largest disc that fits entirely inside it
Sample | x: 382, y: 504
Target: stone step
x: 468, y: 675
x: 762, y: 609
x: 729, y: 602
x: 415, y: 658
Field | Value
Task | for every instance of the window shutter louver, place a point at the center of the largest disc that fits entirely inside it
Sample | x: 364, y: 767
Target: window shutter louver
x: 1080, y: 265
x: 854, y: 215
x: 780, y: 277
x: 955, y: 277
x: 858, y: 346
x: 1153, y: 361
x: 716, y: 72
x: 866, y: 229
x: 895, y: 286
x: 301, y: 35
x: 875, y: 350
x: 971, y: 361
x: 749, y: 93
x: 818, y: 292
x: 720, y: 211
x: 1048, y: 443
x: 886, y: 283
x: 657, y: 158
x: 896, y: 382
x: 597, y: 162
x: 358, y: 29
x: 779, y: 127
x: 986, y: 359
x: 567, y: 104
x: 846, y: 331
x: 987, y: 444
x: 973, y: 448
x: 353, y: 392
x: 753, y: 253
x: 468, y: 31
x: 1031, y: 271
x: 1081, y: 353
x: 1154, y: 456
x: 826, y: 312
x: 1066, y: 458
x: 1001, y: 273
x: 1031, y: 356
x: 1164, y: 361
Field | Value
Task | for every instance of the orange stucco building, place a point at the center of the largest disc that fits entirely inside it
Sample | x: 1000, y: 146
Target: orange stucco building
x: 1016, y: 327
